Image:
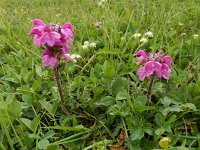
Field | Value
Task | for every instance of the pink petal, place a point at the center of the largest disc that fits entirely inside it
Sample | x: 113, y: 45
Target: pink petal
x: 48, y: 59
x: 37, y: 41
x: 158, y: 69
x: 143, y: 56
x: 65, y: 55
x: 149, y: 67
x: 68, y: 26
x: 66, y: 48
x: 167, y: 60
x: 38, y: 22
x: 166, y: 71
x: 141, y: 73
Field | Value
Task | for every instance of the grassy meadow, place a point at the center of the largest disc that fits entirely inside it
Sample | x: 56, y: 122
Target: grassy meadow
x: 108, y: 106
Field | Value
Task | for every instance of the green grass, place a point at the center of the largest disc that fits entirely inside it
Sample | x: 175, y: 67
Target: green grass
x: 102, y: 90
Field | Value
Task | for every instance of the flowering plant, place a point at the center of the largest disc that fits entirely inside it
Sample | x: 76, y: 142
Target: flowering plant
x: 155, y: 64
x: 54, y: 38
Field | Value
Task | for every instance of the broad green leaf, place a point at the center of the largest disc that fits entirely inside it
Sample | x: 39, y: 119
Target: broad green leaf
x: 43, y: 144
x: 166, y: 101
x: 122, y: 95
x: 46, y: 105
x: 24, y: 89
x: 140, y: 101
x: 10, y: 98
x: 15, y: 108
x: 48, y: 135
x: 105, y: 101
x: 137, y: 134
x: 119, y: 84
x: 108, y: 69
x: 119, y: 109
x: 148, y: 130
x: 26, y: 122
x: 37, y: 84
x: 159, y: 119
x: 159, y: 131
x: 38, y: 70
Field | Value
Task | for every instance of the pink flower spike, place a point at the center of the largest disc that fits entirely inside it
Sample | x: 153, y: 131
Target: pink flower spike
x: 167, y: 60
x: 48, y: 59
x: 143, y: 56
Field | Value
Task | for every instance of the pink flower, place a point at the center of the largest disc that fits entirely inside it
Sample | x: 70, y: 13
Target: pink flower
x: 155, y: 64
x: 143, y: 56
x: 48, y: 59
x: 54, y: 38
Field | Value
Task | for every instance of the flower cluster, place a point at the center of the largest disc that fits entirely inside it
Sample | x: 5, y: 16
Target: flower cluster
x: 55, y: 39
x: 145, y: 37
x: 155, y: 64
x: 87, y: 45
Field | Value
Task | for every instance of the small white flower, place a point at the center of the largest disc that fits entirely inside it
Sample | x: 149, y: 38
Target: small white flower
x: 123, y: 38
x: 85, y: 47
x: 195, y: 36
x: 149, y: 34
x: 183, y: 34
x: 58, y: 15
x: 93, y: 44
x: 74, y: 57
x: 86, y: 43
x: 144, y: 40
x: 136, y: 35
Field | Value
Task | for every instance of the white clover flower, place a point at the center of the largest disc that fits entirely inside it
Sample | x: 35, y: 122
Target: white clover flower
x: 149, y: 34
x: 136, y: 35
x: 86, y: 43
x: 85, y: 47
x: 144, y: 40
x: 195, y: 36
x: 93, y: 44
x: 183, y: 34
x: 75, y: 57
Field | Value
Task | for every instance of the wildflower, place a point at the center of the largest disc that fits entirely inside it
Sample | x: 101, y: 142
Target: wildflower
x: 155, y: 64
x: 144, y: 40
x: 86, y: 43
x: 164, y: 142
x: 148, y: 34
x: 136, y: 35
x: 195, y: 36
x: 54, y: 38
x: 93, y: 44
x: 75, y: 57
x: 85, y: 47
x: 183, y: 34
x: 123, y: 38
